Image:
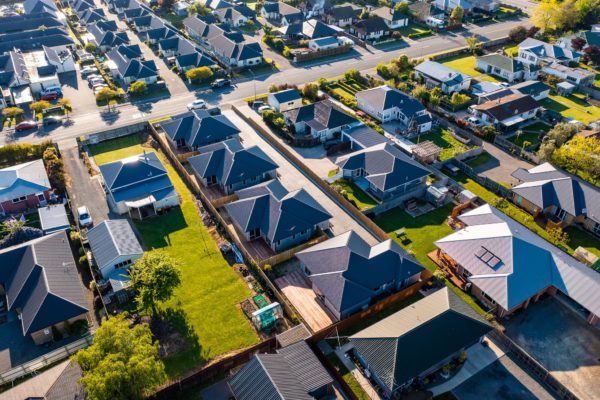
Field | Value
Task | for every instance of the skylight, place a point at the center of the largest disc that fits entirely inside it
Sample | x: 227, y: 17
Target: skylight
x: 489, y: 258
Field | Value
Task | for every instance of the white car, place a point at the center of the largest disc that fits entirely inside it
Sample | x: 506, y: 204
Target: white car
x: 196, y: 105
x: 264, y: 108
x: 88, y: 70
x: 474, y: 121
x: 85, y: 218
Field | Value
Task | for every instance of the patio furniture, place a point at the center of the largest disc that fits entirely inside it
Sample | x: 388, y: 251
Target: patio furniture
x: 400, y: 233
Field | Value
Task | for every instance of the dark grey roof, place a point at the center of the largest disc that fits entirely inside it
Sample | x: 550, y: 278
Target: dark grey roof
x: 37, y: 6
x: 284, y: 96
x: 389, y: 14
x: 311, y: 29
x: 277, y: 213
x: 370, y: 25
x: 394, y: 347
x: 178, y: 45
x: 547, y: 186
x: 130, y: 65
x: 348, y: 271
x: 385, y: 98
x: 104, y: 34
x: 24, y: 35
x: 230, y: 163
x: 111, y: 239
x: 293, y: 335
x: 53, y: 218
x: 199, y: 128
x: 306, y: 366
x: 365, y: 136
x: 532, y: 88
x: 545, y: 50
x: 194, y: 60
x: 20, y: 23
x: 343, y: 12
x: 60, y: 382
x: 41, y: 278
x: 386, y: 167
x: 321, y: 114
x: 508, y: 106
x: 35, y: 42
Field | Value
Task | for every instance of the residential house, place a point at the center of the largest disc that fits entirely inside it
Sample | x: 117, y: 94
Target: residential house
x: 326, y: 43
x: 53, y: 218
x: 41, y: 284
x: 198, y: 128
x: 314, y: 8
x: 342, y: 15
x: 127, y: 66
x: 508, y: 111
x: 469, y: 6
x: 564, y: 200
x: 138, y: 185
x: 114, y: 246
x: 388, y: 104
x: 154, y: 35
x: 79, y: 6
x: 591, y: 37
x: 60, y: 382
x: 217, y: 4
x: 130, y: 14
x: 282, y: 219
x: 19, y: 23
x: 439, y: 75
x: 533, y: 51
x: 281, y: 13
x: 232, y: 167
x: 320, y: 120
x: 311, y: 29
x: 121, y: 6
x: 175, y: 46
x: 24, y: 186
x: 575, y: 76
x: 391, y: 350
x: 293, y: 373
x: 236, y: 16
x: 384, y: 172
x: 506, y: 67
x: 62, y: 60
x: 145, y: 22
x: 91, y: 15
x: 36, y: 40
x: 349, y: 275
x: 391, y: 17
x: 372, y: 28
x: 32, y: 7
x: 536, y: 89
x: 481, y: 89
x: 508, y: 266
x: 105, y: 35
x: 181, y: 8
x: 196, y: 59
x: 285, y: 100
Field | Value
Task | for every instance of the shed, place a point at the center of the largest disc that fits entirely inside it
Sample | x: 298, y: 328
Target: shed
x: 466, y: 196
x: 53, y: 218
x: 565, y: 88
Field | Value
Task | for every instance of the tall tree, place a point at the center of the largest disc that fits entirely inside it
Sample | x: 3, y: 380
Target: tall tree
x: 457, y: 15
x: 544, y: 15
x: 154, y: 278
x: 39, y: 106
x: 472, y: 44
x: 517, y: 34
x: 122, y: 363
x: 577, y: 43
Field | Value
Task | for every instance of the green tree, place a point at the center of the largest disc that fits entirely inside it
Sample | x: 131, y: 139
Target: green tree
x: 268, y: 30
x: 489, y: 131
x: 106, y: 95
x: 137, y: 88
x: 39, y: 106
x: 561, y: 133
x: 90, y: 47
x: 199, y: 9
x: 199, y: 74
x: 546, y: 150
x: 402, y: 7
x: 364, y: 14
x: 457, y: 15
x: 353, y: 75
x: 472, y: 44
x: 558, y: 237
x: 546, y: 14
x: 154, y: 277
x: 517, y: 34
x: 435, y: 100
x: 458, y: 99
x: 403, y: 63
x: 588, y: 12
x: 309, y: 90
x: 580, y: 156
x: 12, y: 112
x: 122, y: 363
x: 420, y: 92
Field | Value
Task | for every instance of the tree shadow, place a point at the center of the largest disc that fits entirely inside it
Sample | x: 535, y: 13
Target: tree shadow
x: 156, y: 231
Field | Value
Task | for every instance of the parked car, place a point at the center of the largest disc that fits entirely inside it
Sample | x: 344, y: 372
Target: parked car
x: 96, y: 81
x: 196, y: 104
x: 85, y: 57
x: 88, y: 70
x: 52, y: 89
x: 84, y: 216
x: 99, y: 85
x: 220, y: 83
x: 49, y: 96
x: 93, y: 76
x: 52, y: 120
x: 262, y: 109
x: 25, y: 126
x: 474, y: 121
x: 257, y: 104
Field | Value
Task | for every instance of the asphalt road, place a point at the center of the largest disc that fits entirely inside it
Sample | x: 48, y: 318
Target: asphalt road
x: 97, y: 120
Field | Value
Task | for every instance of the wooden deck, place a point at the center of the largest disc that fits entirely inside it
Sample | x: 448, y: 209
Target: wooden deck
x: 295, y: 287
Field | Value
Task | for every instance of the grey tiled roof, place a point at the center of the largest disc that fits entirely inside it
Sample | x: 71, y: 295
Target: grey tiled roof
x: 322, y: 112
x: 371, y: 25
x: 28, y: 22
x: 508, y: 106
x: 287, y: 95
x: 365, y: 136
x: 199, y: 128
x: 385, y: 98
x: 441, y: 73
x: 111, y: 239
x: 545, y: 50
x: 23, y: 180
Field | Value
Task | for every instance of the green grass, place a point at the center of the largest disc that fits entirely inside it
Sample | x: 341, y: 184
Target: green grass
x: 531, y: 137
x: 362, y: 200
x: 450, y: 146
x: 412, y: 29
x: 479, y: 160
x: 512, y: 51
x: 348, y: 377
x: 573, y: 106
x: 204, y: 307
x: 466, y: 65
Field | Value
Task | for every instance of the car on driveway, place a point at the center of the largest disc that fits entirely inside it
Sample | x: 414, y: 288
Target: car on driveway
x: 25, y: 126
x: 96, y: 81
x: 84, y: 217
x: 52, y: 89
x: 196, y: 104
x: 264, y: 108
x: 88, y: 70
x: 219, y: 83
x: 49, y: 96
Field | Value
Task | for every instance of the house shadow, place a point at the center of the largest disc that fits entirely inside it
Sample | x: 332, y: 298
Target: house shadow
x: 156, y: 231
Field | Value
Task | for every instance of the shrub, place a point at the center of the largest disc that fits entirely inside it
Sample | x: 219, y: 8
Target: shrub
x: 90, y: 48
x: 68, y: 327
x: 56, y: 334
x: 396, y: 35
x: 83, y: 260
x: 13, y: 112
x: 74, y: 235
x: 199, y: 74
x: 138, y: 88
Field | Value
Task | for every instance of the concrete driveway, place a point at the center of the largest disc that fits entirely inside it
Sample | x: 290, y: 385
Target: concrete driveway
x: 500, y: 165
x: 561, y: 341
x: 77, y: 89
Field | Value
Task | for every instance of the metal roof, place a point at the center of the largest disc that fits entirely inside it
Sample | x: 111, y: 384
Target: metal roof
x: 364, y: 136
x: 441, y: 73
x: 385, y: 98
x: 53, y: 218
x: 23, y: 180
x: 287, y: 95
x: 293, y: 335
x: 111, y: 239
x: 199, y: 128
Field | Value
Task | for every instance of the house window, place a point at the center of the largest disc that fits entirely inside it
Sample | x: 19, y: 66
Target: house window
x: 41, y: 197
x: 488, y: 298
x: 19, y: 199
x: 596, y: 228
x: 560, y: 214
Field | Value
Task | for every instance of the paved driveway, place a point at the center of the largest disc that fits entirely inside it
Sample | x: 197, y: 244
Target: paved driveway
x: 563, y: 342
x: 75, y: 88
x: 501, y: 164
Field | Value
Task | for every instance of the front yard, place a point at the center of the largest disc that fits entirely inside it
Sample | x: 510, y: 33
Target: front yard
x: 415, y: 31
x: 346, y: 89
x: 205, y: 306
x: 466, y: 65
x: 444, y: 139
x: 573, y: 106
x: 519, y: 140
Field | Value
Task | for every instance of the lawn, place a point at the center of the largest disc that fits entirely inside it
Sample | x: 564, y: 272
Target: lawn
x: 348, y: 377
x: 573, y: 106
x: 479, y: 160
x: 466, y: 65
x: 346, y: 89
x: 414, y: 30
x: 443, y: 138
x: 362, y: 200
x: 512, y: 51
x: 204, y: 307
x: 531, y: 137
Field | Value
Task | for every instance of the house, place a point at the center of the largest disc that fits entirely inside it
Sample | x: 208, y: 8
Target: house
x: 506, y: 67
x: 533, y: 51
x: 61, y: 60
x: 293, y: 373
x: 198, y: 128
x: 564, y: 200
x: 508, y: 111
x: 439, y: 75
x: 388, y: 104
x: 40, y: 281
x: 30, y: 41
x: 194, y: 60
x: 60, y: 382
x: 391, y: 350
x: 130, y: 14
x: 314, y: 8
x: 361, y: 136
x: 281, y: 13
x: 128, y: 67
x: 175, y: 46
x: 325, y: 43
x: 342, y: 15
x: 181, y: 8
x: 509, y: 267
x: 138, y: 185
x: 145, y: 22
x: 392, y: 18
x: 155, y: 35
x: 372, y: 28
x: 536, y: 89
x: 311, y: 29
x: 575, y: 76
x: 236, y: 16
x: 384, y: 171
x: 285, y: 100
x: 232, y: 167
x: 53, y: 218
x: 565, y: 89
x: 349, y: 275
x: 40, y: 6
x: 481, y: 89
x: 469, y: 6
x: 105, y: 35
x: 19, y: 23
x: 91, y: 15
x: 282, y: 219
x: 24, y: 186
x: 321, y: 120
x: 114, y: 246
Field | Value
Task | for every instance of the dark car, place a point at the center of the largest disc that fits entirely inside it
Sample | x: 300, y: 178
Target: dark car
x: 53, y: 120
x: 50, y: 96
x: 220, y: 83
x: 25, y: 125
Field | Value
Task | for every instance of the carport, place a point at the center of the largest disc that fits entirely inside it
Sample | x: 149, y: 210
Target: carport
x: 142, y: 208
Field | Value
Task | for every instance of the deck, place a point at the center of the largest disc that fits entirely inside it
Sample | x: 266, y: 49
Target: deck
x: 298, y: 291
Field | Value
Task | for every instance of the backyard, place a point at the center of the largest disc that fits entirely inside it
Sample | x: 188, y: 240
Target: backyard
x: 362, y: 200
x: 348, y: 377
x: 444, y: 139
x: 466, y: 65
x: 204, y: 307
x: 574, y: 106
x: 479, y: 160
